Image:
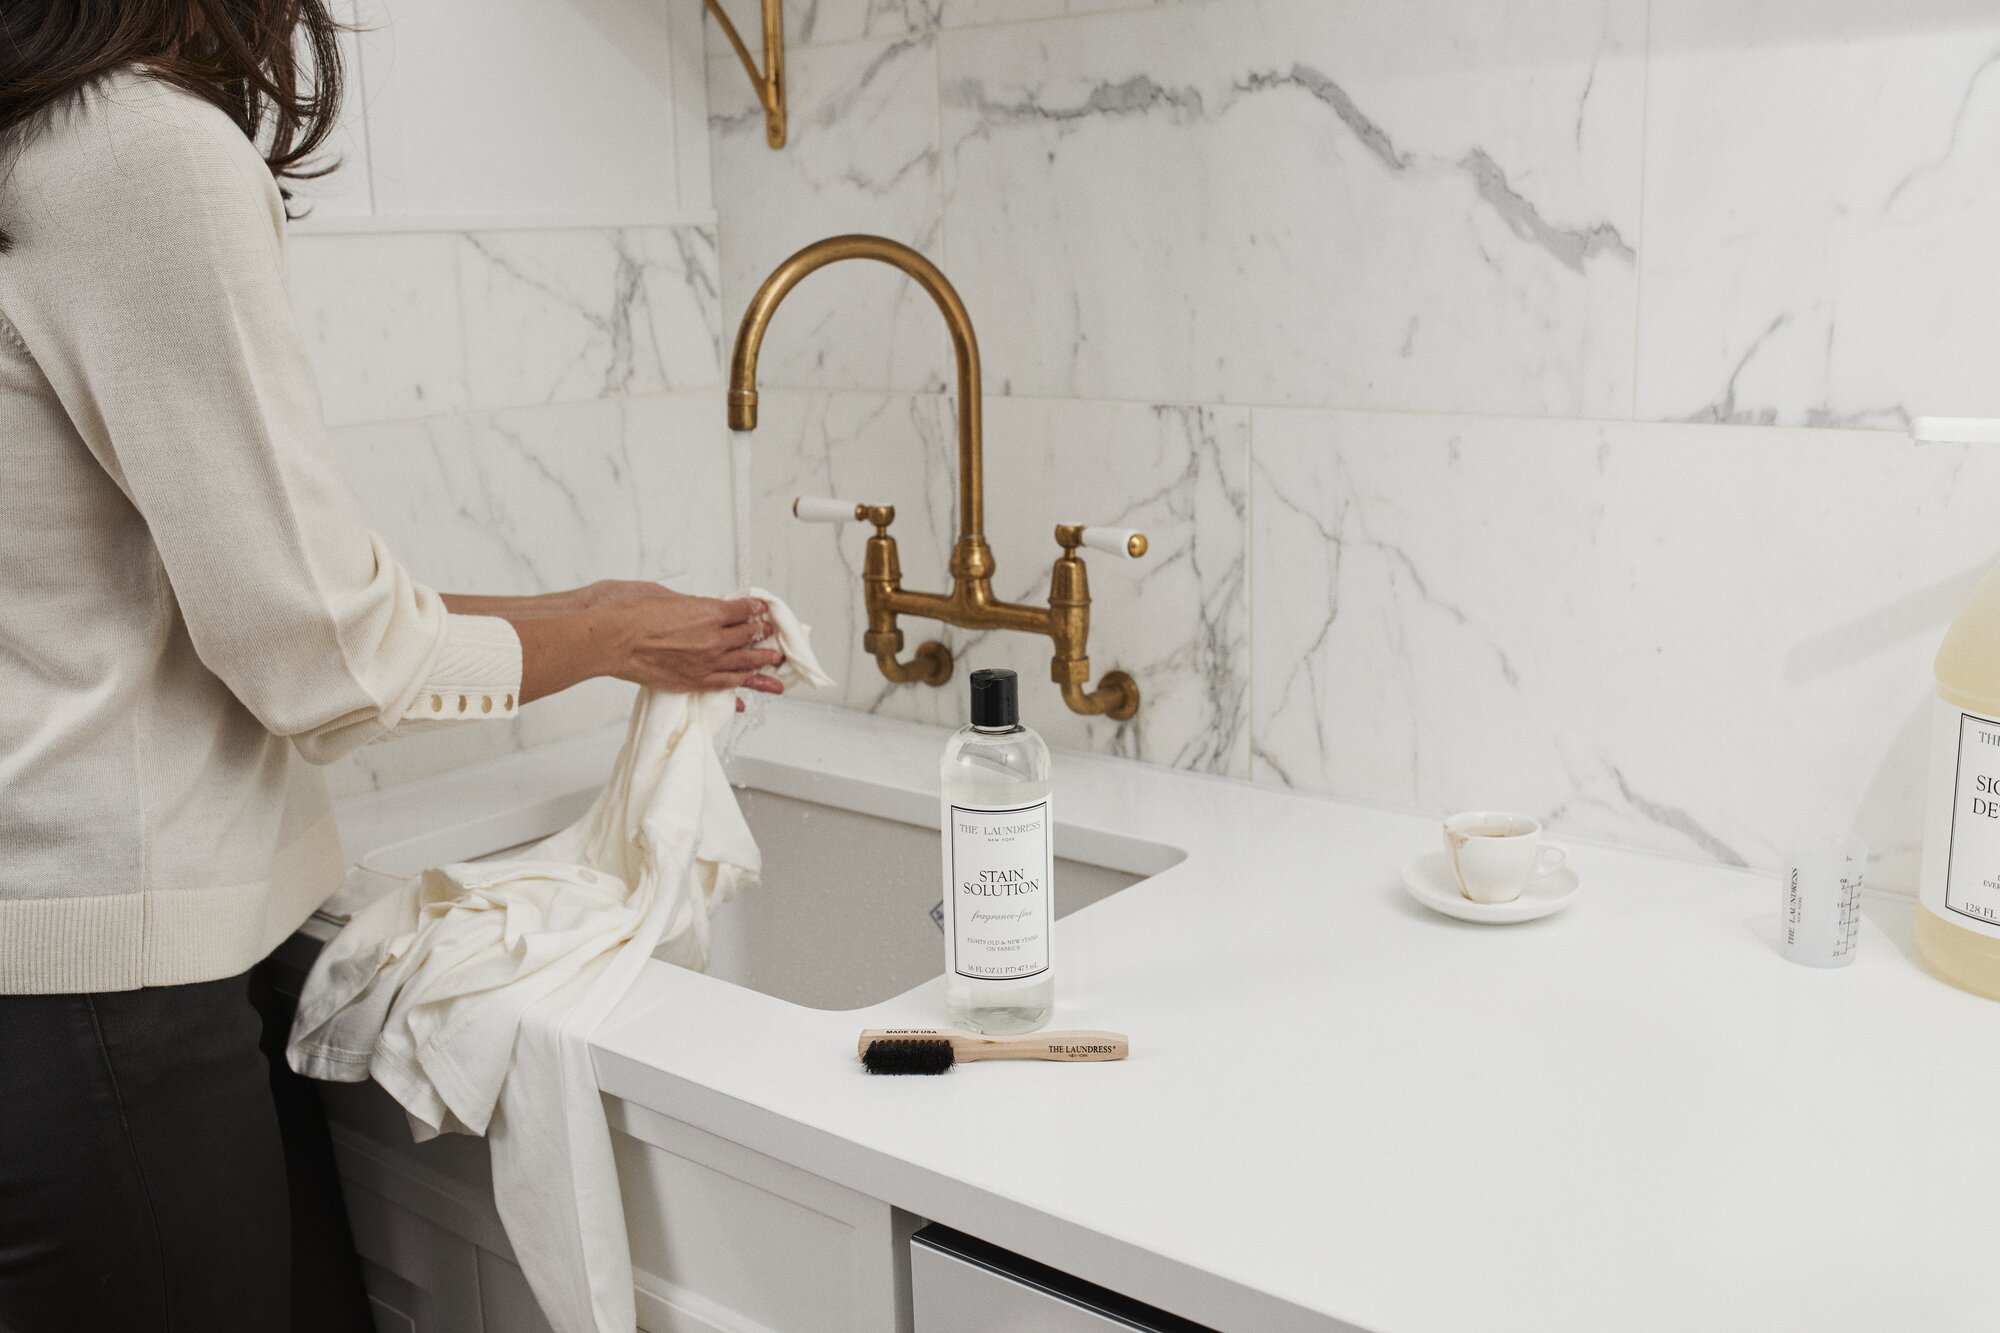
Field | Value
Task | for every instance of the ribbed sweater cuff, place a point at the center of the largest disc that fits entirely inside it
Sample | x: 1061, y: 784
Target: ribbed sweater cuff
x: 477, y: 673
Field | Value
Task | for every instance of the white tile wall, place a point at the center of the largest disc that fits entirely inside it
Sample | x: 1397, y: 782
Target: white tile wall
x: 1455, y: 274
x: 966, y: 13
x: 346, y: 192
x: 1178, y: 620
x: 1426, y: 205
x: 512, y: 298
x: 817, y: 22
x: 557, y: 108
x: 539, y: 499
x: 862, y: 157
x: 556, y: 316
x: 382, y: 319
x: 1821, y: 202
x: 544, y: 498
x: 1663, y: 635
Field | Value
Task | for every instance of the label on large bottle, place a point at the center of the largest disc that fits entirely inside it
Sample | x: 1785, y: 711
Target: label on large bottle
x: 1961, y: 874
x: 1000, y: 865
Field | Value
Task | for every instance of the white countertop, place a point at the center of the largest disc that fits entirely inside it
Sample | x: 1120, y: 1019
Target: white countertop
x: 1345, y: 1111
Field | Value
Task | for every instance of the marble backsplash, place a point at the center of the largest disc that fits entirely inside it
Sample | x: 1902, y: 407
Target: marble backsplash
x: 1706, y: 640
x: 1179, y: 473
x: 521, y: 411
x: 1631, y: 209
x: 1519, y: 391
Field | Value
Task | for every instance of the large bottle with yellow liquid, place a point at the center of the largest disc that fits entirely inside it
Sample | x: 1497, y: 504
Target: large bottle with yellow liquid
x: 1958, y: 896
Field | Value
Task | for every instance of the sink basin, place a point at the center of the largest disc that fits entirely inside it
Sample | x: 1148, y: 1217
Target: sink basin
x: 846, y: 916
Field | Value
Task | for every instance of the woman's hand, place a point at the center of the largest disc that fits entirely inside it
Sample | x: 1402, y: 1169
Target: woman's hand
x: 635, y: 631
x: 671, y: 641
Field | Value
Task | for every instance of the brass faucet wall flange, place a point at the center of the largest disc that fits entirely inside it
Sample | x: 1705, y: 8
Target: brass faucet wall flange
x: 971, y: 603
x: 931, y: 665
x: 1116, y: 697
x: 769, y: 82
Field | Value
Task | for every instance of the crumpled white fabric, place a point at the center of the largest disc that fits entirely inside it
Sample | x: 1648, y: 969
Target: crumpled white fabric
x: 471, y: 991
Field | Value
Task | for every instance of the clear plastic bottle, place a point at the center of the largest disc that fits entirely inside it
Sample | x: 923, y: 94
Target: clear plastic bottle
x: 1958, y: 894
x: 999, y: 866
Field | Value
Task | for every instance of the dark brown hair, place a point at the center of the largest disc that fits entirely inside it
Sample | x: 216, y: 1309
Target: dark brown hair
x: 272, y: 66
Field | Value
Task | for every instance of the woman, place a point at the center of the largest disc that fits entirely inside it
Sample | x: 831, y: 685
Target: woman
x: 189, y: 620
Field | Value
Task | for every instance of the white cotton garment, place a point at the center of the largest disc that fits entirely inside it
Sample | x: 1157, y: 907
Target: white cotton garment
x: 470, y: 992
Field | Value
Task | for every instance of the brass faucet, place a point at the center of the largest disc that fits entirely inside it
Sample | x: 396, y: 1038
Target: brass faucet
x: 971, y: 603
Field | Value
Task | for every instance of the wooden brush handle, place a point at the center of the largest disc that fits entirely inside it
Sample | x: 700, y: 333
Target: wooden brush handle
x: 1073, y: 1046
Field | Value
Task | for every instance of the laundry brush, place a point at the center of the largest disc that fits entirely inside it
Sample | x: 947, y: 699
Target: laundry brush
x: 934, y: 1050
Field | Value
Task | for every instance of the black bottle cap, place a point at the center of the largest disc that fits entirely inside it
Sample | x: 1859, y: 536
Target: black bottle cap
x: 996, y: 698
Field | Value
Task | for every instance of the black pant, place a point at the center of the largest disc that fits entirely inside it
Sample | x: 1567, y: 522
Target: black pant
x: 163, y: 1171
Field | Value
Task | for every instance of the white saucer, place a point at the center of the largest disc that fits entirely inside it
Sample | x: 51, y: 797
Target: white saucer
x: 1431, y: 881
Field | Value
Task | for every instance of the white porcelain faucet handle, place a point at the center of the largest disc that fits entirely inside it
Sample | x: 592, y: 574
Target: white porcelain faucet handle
x: 1128, y: 542
x: 819, y: 509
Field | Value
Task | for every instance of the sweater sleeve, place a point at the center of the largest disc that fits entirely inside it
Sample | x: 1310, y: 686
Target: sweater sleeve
x: 159, y: 311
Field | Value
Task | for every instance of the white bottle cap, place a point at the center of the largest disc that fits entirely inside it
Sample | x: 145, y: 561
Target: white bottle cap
x: 1819, y: 915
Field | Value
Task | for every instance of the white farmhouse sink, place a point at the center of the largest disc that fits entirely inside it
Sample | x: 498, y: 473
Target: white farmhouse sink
x: 845, y: 812
x: 844, y: 918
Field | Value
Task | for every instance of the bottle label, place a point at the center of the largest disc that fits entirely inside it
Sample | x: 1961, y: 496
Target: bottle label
x: 1001, y: 862
x: 1961, y: 874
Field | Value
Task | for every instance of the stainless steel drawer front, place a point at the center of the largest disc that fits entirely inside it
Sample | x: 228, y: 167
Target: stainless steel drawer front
x: 962, y: 1285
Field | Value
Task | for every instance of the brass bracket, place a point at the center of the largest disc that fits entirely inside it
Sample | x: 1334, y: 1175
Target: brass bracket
x: 768, y: 82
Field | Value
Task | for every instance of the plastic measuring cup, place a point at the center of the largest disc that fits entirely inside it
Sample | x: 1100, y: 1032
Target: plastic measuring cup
x: 1820, y: 914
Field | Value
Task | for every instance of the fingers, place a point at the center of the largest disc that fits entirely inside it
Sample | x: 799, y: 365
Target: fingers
x: 742, y: 611
x: 742, y: 636
x: 749, y: 659
x: 743, y: 680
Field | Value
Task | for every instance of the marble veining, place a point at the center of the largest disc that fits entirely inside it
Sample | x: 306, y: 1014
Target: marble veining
x: 521, y: 408
x: 967, y: 13
x: 1588, y: 622
x: 405, y: 325
x: 1310, y: 204
x: 1569, y: 245
x: 1177, y: 620
x: 862, y: 158
x: 1819, y: 201
x: 819, y: 22
x: 1578, y: 337
x: 381, y: 320
x: 547, y: 498
x: 558, y: 316
x: 536, y: 500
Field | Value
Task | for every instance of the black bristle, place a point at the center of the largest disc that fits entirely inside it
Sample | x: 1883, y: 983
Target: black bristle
x: 908, y: 1055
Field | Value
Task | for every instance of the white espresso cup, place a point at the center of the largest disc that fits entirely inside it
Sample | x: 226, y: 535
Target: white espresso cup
x: 1496, y: 855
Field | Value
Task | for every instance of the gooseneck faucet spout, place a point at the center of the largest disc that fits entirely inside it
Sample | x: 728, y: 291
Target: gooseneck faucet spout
x: 964, y: 350
x: 971, y: 604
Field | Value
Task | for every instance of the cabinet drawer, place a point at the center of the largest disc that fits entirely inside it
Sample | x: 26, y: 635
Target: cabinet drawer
x: 962, y: 1285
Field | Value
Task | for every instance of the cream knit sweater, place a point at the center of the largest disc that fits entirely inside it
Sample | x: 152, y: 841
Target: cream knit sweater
x: 190, y: 615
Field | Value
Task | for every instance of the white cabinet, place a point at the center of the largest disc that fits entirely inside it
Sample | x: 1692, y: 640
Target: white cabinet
x: 433, y: 1254
x: 724, y: 1239
x: 727, y: 1240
